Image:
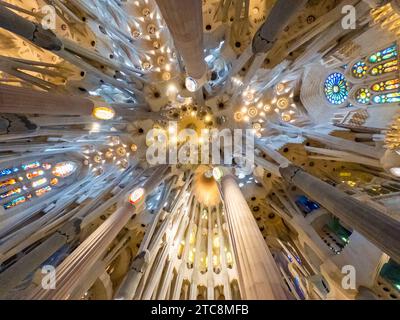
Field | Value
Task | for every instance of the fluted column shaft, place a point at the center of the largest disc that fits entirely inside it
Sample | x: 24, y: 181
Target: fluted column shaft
x: 258, y: 274
x: 11, y: 277
x: 184, y: 19
x: 377, y: 227
x: 84, y: 257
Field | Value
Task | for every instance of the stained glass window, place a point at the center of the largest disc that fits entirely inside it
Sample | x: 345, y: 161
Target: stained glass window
x: 34, y: 174
x: 387, y: 98
x: 32, y: 165
x: 385, y: 68
x: 64, y: 169
x: 10, y: 193
x: 7, y: 183
x: 391, y: 273
x: 46, y: 166
x: 336, y: 88
x: 6, y: 172
x: 360, y: 69
x: 384, y: 54
x: 363, y: 96
x: 35, y: 171
x: 39, y: 182
x: 41, y: 192
x: 386, y: 85
x: 15, y: 202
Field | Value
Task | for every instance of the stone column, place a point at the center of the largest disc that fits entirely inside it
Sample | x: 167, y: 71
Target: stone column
x: 344, y: 144
x: 29, y: 30
x: 80, y: 262
x: 147, y: 253
x: 258, y: 273
x: 28, y: 101
x: 184, y: 19
x: 377, y: 227
x: 11, y: 277
x: 279, y: 17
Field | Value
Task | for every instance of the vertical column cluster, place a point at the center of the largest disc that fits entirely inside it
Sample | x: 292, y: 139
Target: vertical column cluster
x: 258, y: 273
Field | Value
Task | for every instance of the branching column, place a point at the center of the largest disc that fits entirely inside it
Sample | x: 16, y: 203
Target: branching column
x: 81, y: 261
x: 377, y: 227
x: 258, y: 273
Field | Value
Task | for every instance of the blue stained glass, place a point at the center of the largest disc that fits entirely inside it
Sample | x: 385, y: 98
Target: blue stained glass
x: 359, y: 69
x: 336, y: 88
x: 6, y: 172
x: 387, y: 98
x: 384, y: 54
x: 306, y: 205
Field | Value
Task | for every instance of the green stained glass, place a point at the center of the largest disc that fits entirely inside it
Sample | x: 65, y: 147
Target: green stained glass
x: 383, y: 55
x: 391, y: 273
